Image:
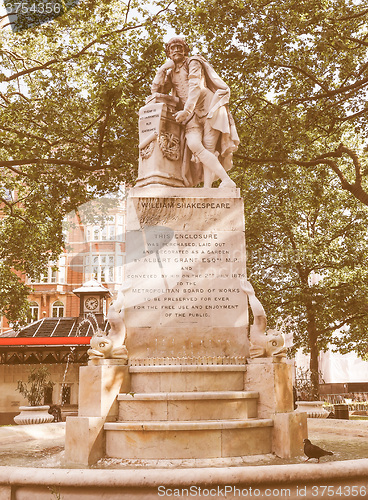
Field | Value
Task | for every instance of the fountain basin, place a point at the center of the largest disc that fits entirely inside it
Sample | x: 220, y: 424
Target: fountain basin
x: 139, y: 479
x: 289, y: 481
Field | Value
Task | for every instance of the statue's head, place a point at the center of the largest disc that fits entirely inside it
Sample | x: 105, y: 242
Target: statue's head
x: 177, y: 42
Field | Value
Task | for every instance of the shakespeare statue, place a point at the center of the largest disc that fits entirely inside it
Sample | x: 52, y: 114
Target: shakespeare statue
x: 208, y: 133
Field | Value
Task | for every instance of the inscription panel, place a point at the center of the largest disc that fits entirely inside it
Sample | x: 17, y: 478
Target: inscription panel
x: 149, y: 121
x: 186, y: 277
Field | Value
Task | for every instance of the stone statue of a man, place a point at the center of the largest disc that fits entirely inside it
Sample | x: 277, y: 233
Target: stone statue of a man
x: 209, y: 129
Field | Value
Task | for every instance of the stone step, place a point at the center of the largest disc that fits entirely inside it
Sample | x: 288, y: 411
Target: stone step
x: 187, y: 406
x: 195, y: 439
x: 187, y: 378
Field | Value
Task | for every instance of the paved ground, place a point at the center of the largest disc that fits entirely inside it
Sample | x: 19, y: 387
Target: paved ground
x: 39, y: 445
x: 43, y: 446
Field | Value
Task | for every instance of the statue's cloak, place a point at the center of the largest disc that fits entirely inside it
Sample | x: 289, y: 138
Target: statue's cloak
x: 220, y: 119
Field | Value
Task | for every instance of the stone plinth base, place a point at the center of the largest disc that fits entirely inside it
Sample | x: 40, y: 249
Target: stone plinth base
x: 195, y: 439
x: 187, y: 406
x: 185, y: 257
x: 98, y: 387
x: 175, y: 378
x: 188, y: 412
x: 84, y: 440
x: 288, y: 433
x: 99, y: 384
x: 272, y: 378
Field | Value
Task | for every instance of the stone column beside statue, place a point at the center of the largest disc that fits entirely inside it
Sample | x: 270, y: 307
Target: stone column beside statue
x: 160, y: 154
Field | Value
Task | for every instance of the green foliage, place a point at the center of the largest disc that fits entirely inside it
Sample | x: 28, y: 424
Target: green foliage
x: 38, y: 382
x: 308, y: 258
x: 69, y: 95
x: 297, y: 72
x: 298, y: 77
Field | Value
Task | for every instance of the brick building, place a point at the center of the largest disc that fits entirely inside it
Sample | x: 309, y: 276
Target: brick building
x: 95, y: 250
x: 94, y: 257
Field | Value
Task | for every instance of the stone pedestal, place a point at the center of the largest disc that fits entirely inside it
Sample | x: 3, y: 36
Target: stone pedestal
x: 272, y: 378
x: 192, y: 393
x: 84, y: 440
x: 99, y: 384
x: 289, y: 430
x: 159, y: 143
x: 185, y: 257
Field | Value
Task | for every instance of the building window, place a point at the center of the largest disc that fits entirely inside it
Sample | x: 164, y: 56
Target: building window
x: 55, y: 273
x: 47, y: 399
x: 57, y: 309
x: 100, y: 267
x: 33, y: 312
x: 112, y: 230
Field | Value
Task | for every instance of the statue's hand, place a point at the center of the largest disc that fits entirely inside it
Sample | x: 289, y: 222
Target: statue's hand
x: 169, y: 64
x: 181, y: 116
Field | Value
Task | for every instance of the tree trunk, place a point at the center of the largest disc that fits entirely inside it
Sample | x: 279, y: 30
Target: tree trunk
x: 314, y: 368
x: 313, y: 346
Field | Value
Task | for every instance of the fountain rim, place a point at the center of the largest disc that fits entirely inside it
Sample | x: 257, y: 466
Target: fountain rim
x: 143, y: 477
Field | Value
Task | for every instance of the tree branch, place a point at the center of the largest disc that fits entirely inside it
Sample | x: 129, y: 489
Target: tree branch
x: 47, y: 161
x: 80, y: 52
x: 353, y: 16
x: 346, y: 321
x: 11, y: 207
x: 355, y: 188
x: 24, y: 134
x: 354, y: 86
x: 305, y: 73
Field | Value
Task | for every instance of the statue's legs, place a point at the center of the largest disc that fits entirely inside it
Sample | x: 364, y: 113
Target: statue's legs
x: 202, y: 143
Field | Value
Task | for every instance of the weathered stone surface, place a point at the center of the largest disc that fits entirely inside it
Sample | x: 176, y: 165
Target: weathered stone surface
x: 159, y: 144
x: 273, y: 381
x: 188, y: 406
x: 84, y: 440
x: 185, y: 256
x: 99, y: 387
x: 195, y: 439
x: 288, y: 433
x: 186, y: 378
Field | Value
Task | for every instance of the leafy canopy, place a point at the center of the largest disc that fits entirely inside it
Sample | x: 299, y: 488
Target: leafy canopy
x: 298, y: 75
x: 69, y: 94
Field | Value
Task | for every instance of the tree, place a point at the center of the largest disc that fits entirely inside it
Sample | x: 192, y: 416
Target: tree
x: 298, y: 74
x: 308, y: 259
x: 69, y: 94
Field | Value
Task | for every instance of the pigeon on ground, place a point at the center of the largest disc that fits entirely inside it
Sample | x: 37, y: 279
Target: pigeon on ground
x: 313, y: 451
